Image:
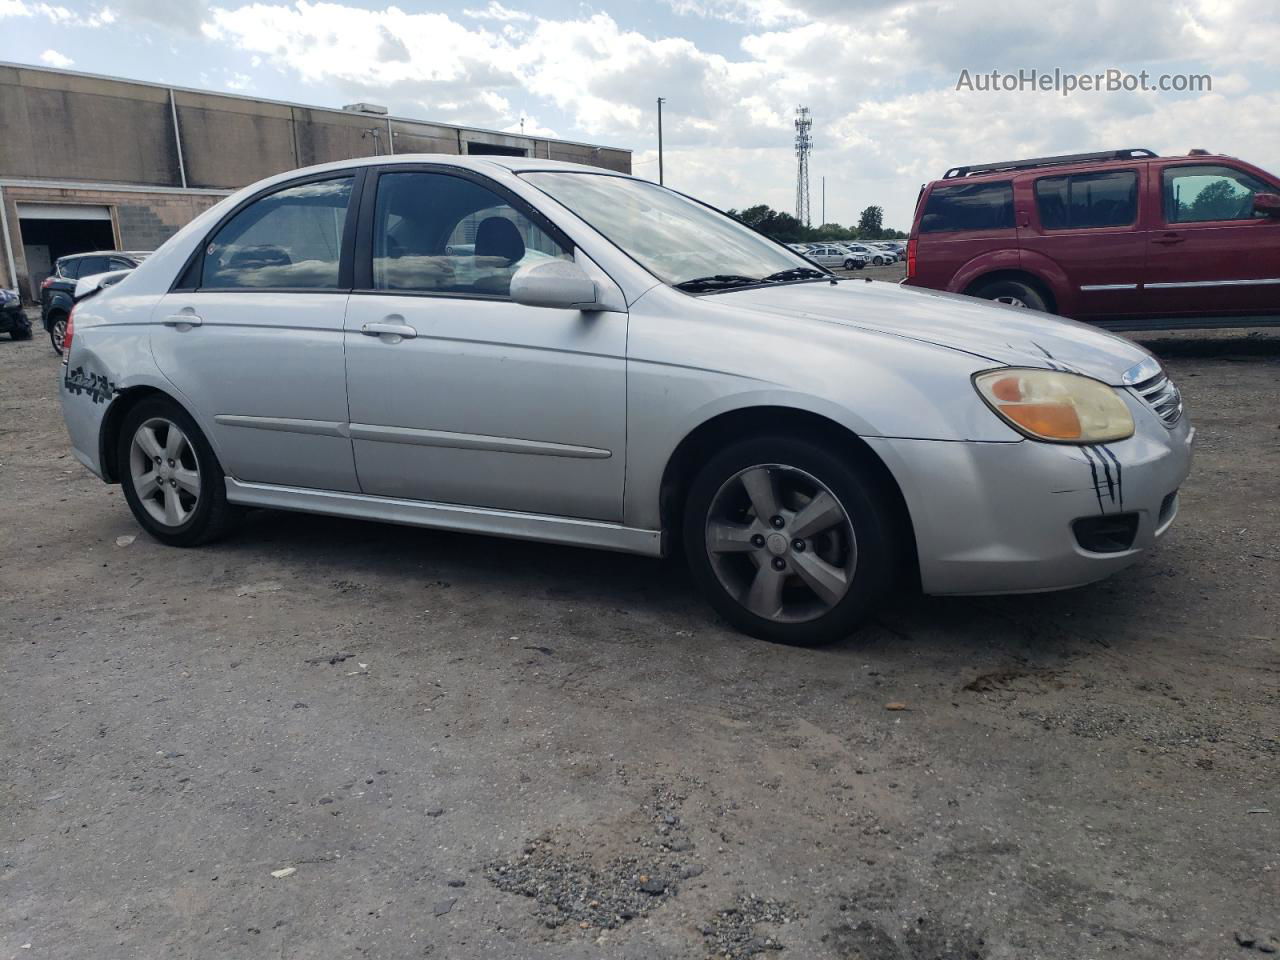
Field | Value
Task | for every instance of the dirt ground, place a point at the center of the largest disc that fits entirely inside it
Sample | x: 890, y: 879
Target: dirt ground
x: 470, y: 748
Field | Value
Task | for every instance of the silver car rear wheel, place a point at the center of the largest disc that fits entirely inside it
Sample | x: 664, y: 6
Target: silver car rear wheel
x: 781, y: 543
x: 165, y: 472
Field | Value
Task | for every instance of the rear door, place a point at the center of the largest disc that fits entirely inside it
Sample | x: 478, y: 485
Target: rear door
x: 1091, y: 227
x: 252, y: 336
x: 1210, y: 255
x: 960, y: 222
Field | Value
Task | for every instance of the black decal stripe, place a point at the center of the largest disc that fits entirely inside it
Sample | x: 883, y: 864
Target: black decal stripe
x: 1106, y: 469
x: 1093, y: 468
x: 1119, y: 481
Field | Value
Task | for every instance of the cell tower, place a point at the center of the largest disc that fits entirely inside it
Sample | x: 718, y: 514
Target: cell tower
x: 804, y: 144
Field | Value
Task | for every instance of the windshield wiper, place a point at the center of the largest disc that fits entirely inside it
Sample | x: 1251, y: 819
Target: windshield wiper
x: 718, y: 281
x: 797, y: 273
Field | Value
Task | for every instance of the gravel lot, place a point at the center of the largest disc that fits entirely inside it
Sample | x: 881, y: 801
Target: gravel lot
x: 466, y: 748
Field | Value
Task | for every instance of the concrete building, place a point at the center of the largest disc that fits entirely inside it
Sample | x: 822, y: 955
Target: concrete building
x: 90, y: 163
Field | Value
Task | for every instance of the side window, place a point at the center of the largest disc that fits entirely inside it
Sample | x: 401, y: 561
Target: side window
x: 69, y: 269
x: 973, y: 206
x: 91, y: 265
x: 1194, y: 194
x: 290, y: 239
x: 436, y: 233
x: 1088, y: 200
x: 118, y: 264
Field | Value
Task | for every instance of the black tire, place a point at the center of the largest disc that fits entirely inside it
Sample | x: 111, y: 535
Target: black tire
x: 212, y: 516
x: 57, y: 323
x: 851, y: 264
x: 21, y: 332
x: 866, y: 504
x: 1026, y: 295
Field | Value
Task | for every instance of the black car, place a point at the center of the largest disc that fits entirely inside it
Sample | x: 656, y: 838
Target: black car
x: 57, y: 292
x: 12, y: 320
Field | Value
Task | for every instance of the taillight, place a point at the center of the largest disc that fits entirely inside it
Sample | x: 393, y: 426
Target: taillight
x: 47, y: 282
x: 911, y: 257
x: 66, y: 337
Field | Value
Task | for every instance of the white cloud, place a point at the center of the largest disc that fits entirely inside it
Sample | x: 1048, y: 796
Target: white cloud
x: 879, y: 76
x: 55, y: 59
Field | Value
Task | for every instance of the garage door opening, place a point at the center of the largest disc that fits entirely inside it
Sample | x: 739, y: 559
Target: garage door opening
x: 53, y: 230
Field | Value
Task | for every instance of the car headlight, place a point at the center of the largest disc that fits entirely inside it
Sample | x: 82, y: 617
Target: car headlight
x: 1055, y: 406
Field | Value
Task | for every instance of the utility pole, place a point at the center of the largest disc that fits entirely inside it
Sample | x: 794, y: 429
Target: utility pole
x: 824, y: 200
x: 661, y: 101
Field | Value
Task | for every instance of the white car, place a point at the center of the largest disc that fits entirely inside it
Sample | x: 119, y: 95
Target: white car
x: 871, y: 255
x: 834, y: 255
x: 604, y: 362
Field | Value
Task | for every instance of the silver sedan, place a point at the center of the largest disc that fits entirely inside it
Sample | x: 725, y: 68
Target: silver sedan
x: 524, y: 348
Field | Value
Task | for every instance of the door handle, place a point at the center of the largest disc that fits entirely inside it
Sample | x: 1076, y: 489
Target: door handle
x: 401, y: 330
x: 183, y: 320
x: 1169, y: 239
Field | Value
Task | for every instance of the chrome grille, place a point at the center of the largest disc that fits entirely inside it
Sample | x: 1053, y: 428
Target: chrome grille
x: 1160, y: 394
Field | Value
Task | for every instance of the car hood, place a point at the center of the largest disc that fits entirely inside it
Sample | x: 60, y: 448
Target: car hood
x: 1004, y: 335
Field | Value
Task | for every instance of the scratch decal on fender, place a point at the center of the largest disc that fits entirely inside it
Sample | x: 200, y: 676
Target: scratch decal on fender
x: 1119, y: 477
x: 93, y: 385
x: 1097, y: 484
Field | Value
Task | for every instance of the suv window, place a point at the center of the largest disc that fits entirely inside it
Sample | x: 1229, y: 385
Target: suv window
x: 119, y: 263
x: 290, y: 239
x: 1194, y: 194
x: 1088, y: 200
x: 437, y: 233
x: 969, y: 206
x: 69, y: 269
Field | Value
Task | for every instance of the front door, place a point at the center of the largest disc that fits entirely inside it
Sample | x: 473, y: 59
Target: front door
x: 254, y: 342
x: 459, y: 395
x: 1211, y: 255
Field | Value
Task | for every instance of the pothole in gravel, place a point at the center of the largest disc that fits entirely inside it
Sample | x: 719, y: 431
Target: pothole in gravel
x: 732, y: 933
x: 569, y: 889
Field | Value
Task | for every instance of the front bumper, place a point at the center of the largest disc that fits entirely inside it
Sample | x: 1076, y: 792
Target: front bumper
x: 997, y: 517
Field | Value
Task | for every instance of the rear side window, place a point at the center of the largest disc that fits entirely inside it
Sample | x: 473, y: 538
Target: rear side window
x: 968, y: 206
x: 290, y: 239
x: 1194, y: 194
x: 69, y: 269
x: 88, y: 266
x: 1088, y: 200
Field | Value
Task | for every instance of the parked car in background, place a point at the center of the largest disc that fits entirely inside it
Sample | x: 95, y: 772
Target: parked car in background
x: 835, y: 255
x: 659, y: 374
x: 892, y: 247
x: 871, y: 255
x: 13, y: 320
x: 57, y: 291
x: 1124, y: 239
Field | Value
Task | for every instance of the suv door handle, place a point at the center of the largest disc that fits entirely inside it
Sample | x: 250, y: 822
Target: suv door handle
x: 183, y: 320
x: 401, y: 330
x: 1169, y: 239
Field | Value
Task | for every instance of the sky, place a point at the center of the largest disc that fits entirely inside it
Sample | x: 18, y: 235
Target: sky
x: 881, y: 78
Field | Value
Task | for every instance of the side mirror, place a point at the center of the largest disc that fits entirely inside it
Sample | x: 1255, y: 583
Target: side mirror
x: 1267, y: 204
x: 86, y: 286
x: 555, y: 283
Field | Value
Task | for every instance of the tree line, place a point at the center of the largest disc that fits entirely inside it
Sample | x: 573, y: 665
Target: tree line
x: 785, y: 228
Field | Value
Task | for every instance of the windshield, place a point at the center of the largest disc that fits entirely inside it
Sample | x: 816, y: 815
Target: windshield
x: 674, y: 238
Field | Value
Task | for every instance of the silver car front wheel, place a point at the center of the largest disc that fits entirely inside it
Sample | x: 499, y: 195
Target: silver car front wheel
x: 790, y: 541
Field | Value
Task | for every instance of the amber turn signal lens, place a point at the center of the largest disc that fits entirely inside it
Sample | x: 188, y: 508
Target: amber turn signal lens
x: 1056, y: 406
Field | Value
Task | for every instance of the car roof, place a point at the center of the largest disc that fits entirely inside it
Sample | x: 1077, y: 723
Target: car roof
x: 1083, y: 166
x: 102, y: 253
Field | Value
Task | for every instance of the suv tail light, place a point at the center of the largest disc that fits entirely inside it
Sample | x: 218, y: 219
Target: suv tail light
x: 911, y: 257
x: 47, y: 282
x: 66, y: 337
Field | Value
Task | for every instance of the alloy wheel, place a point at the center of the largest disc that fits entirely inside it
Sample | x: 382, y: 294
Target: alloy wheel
x: 58, y: 332
x: 781, y: 543
x: 165, y: 471
x: 1010, y: 301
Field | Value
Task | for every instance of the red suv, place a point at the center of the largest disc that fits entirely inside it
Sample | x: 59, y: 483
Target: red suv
x: 1124, y: 239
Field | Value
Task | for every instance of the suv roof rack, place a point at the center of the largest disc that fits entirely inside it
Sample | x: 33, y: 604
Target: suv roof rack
x: 1130, y: 153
